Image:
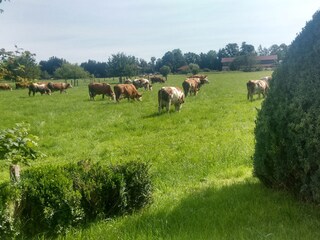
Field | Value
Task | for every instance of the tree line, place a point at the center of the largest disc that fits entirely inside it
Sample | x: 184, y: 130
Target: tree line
x: 20, y: 65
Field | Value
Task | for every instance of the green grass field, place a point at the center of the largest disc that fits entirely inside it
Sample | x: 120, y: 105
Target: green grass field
x: 201, y: 159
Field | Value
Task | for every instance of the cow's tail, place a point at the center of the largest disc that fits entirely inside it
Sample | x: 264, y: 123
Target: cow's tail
x: 186, y: 88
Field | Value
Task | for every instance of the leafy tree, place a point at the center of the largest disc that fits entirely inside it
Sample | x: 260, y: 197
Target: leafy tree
x: 232, y: 50
x: 247, y: 49
x: 120, y: 65
x: 191, y: 57
x: 70, y: 71
x: 263, y: 51
x: 173, y: 59
x: 165, y: 70
x: 51, y: 65
x: 194, y: 68
x: 97, y: 69
x: 280, y: 51
x: 18, y: 65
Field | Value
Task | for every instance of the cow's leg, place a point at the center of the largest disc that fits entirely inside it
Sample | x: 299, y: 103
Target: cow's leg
x: 168, y: 103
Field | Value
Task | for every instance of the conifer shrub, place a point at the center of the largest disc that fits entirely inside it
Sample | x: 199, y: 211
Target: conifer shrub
x: 287, y: 149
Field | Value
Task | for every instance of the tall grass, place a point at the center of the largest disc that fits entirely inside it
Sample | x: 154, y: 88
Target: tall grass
x: 200, y: 159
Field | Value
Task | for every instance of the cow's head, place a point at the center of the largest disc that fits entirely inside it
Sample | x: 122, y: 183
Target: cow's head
x: 139, y: 97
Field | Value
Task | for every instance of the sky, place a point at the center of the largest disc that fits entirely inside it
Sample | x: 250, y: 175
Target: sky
x: 79, y: 30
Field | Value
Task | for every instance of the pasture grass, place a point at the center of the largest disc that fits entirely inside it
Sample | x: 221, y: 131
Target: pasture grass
x: 201, y: 159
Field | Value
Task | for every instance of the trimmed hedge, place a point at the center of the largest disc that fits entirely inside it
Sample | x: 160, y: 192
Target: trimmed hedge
x: 288, y: 126
x: 51, y: 199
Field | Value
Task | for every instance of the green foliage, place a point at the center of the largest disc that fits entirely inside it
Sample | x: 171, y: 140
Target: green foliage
x: 55, y: 198
x: 70, y: 71
x: 49, y: 201
x: 194, y: 68
x: 288, y: 128
x: 18, y: 145
x: 19, y: 65
x: 165, y: 70
x: 9, y: 199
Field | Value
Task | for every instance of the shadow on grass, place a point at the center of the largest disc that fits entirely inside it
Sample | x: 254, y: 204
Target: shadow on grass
x: 239, y: 211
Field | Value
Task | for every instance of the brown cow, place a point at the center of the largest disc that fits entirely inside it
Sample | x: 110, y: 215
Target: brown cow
x: 170, y: 96
x: 128, y: 90
x: 39, y: 87
x: 193, y: 85
x: 156, y: 79
x: 100, y: 88
x: 5, y: 86
x: 257, y: 87
x: 142, y: 83
x: 59, y: 86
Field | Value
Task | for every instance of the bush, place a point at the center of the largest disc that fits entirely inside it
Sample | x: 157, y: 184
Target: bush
x: 55, y: 198
x: 288, y: 127
x: 9, y: 199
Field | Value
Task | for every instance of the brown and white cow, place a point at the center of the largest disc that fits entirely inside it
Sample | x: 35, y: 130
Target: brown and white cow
x: 142, y: 83
x: 100, y: 88
x: 129, y: 91
x: 267, y: 79
x: 168, y: 96
x: 257, y: 87
x: 39, y: 87
x: 5, y: 86
x: 193, y: 84
x: 59, y: 86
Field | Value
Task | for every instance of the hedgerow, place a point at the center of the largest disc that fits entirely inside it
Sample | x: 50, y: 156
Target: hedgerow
x: 288, y: 126
x: 51, y: 199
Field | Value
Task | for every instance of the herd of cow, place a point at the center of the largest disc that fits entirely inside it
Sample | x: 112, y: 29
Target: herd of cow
x: 167, y: 96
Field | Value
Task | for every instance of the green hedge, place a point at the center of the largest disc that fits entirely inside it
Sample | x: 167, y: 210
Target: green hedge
x: 288, y: 126
x: 51, y: 199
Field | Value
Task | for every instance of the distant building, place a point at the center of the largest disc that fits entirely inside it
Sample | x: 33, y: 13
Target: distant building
x: 262, y: 61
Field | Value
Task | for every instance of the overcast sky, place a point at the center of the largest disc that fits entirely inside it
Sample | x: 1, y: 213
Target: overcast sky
x: 79, y: 30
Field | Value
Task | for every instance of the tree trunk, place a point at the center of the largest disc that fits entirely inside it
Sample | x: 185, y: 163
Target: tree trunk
x: 14, y: 172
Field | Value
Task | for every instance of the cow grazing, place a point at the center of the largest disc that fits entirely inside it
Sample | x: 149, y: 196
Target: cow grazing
x: 142, y: 83
x: 100, y: 88
x: 257, y: 87
x: 39, y: 87
x: 168, y: 96
x: 128, y: 91
x: 59, y: 86
x: 156, y: 79
x: 5, y: 86
x: 193, y: 85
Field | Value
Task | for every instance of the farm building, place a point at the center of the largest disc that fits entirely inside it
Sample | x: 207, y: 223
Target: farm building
x: 262, y: 61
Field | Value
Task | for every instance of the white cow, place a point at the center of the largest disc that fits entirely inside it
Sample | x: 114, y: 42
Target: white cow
x: 257, y: 87
x: 170, y: 96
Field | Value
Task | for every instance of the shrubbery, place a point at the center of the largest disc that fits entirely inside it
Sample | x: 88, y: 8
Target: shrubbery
x: 288, y: 125
x: 51, y: 199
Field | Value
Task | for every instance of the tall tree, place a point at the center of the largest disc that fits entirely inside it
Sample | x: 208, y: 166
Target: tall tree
x: 247, y: 49
x: 232, y: 50
x: 19, y: 65
x: 120, y: 65
x: 71, y: 71
x: 263, y: 51
x: 51, y: 65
